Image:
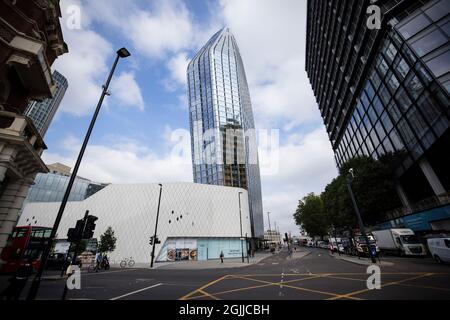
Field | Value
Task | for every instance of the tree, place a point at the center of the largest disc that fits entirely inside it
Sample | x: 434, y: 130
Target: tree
x: 374, y: 189
x: 107, y: 241
x: 311, y: 216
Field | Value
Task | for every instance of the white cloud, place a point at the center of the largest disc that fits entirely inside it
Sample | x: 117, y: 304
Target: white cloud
x: 165, y: 29
x: 124, y: 161
x: 125, y: 89
x: 177, y: 66
x: 84, y: 67
x: 306, y: 165
x: 87, y: 64
x: 270, y: 37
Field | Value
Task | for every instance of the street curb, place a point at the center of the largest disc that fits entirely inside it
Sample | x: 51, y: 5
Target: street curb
x: 230, y: 265
x: 362, y: 262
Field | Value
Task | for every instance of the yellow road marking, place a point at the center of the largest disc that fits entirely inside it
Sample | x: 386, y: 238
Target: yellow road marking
x: 337, y: 274
x: 424, y: 287
x: 185, y: 297
x: 263, y: 285
x: 206, y: 294
x: 349, y: 295
x: 202, y: 293
x: 298, y: 288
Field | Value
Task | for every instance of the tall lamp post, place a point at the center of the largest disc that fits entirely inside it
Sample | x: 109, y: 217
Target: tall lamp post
x: 121, y: 53
x: 350, y: 178
x: 240, y: 219
x: 156, y: 226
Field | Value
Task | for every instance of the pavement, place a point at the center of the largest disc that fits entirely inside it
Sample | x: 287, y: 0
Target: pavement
x: 212, y: 264
x: 310, y: 274
x: 361, y: 261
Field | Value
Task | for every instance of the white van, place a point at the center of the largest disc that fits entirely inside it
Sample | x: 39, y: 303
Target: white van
x: 439, y: 249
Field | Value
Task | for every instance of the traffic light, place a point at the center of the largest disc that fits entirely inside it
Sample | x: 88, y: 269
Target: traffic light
x: 157, y: 241
x: 74, y: 234
x: 89, y: 227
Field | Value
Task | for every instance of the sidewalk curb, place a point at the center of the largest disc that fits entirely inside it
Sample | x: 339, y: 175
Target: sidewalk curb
x: 363, y: 262
x: 229, y: 265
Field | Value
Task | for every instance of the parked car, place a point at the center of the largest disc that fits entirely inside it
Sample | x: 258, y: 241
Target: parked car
x: 322, y: 244
x: 439, y: 249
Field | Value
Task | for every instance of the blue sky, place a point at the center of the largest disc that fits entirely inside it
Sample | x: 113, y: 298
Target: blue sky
x: 141, y: 133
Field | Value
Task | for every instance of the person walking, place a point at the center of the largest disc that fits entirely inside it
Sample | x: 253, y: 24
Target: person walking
x: 221, y: 256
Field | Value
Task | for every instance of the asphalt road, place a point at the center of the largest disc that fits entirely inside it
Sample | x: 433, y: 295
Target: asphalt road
x: 315, y: 276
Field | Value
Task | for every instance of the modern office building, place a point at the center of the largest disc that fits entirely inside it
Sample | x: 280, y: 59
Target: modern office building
x: 50, y: 187
x: 42, y: 112
x: 386, y: 90
x: 196, y: 221
x: 224, y: 150
x: 30, y: 41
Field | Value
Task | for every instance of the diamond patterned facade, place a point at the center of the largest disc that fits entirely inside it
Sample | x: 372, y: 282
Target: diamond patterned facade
x: 192, y: 217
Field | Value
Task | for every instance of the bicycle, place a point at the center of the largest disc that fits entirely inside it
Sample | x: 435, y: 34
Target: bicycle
x: 127, y: 261
x: 92, y: 267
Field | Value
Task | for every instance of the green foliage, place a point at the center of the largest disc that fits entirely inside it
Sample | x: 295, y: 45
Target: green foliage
x: 107, y: 241
x: 311, y: 216
x: 373, y: 186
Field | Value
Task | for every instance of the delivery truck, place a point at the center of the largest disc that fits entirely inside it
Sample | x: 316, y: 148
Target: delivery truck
x: 399, y: 241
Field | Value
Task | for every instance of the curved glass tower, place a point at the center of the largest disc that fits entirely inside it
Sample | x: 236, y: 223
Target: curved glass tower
x: 223, y: 138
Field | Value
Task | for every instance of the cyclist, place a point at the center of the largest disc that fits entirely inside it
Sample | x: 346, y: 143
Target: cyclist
x: 98, y: 261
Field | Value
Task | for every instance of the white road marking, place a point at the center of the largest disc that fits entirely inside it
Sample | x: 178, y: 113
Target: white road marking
x: 137, y: 291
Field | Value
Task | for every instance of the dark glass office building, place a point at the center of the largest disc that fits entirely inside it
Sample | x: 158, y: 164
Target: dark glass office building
x: 42, y: 112
x: 387, y: 89
x: 224, y: 150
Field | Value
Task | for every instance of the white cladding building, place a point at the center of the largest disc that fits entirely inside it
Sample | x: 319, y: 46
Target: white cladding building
x: 196, y: 221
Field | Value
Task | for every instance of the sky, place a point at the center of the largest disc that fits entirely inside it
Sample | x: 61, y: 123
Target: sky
x: 142, y: 132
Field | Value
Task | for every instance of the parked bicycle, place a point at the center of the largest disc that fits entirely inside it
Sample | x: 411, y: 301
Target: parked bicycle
x: 127, y: 261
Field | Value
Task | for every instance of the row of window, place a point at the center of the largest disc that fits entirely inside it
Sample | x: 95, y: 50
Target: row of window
x: 394, y: 109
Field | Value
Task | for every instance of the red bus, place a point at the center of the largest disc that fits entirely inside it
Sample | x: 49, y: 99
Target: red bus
x: 24, y: 243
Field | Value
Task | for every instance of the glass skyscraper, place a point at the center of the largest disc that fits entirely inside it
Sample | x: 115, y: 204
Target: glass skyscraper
x: 223, y: 138
x: 385, y: 90
x: 42, y: 112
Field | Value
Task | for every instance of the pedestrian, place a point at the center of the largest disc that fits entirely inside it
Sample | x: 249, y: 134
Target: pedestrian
x: 221, y: 256
x: 98, y: 261
x: 18, y: 282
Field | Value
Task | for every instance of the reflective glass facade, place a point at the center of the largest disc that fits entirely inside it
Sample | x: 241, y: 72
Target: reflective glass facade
x: 42, y: 112
x: 50, y: 187
x: 386, y: 90
x: 223, y: 140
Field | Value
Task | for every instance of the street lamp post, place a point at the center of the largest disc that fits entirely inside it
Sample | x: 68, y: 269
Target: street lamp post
x: 358, y: 214
x: 121, y: 53
x: 240, y: 219
x: 156, y: 226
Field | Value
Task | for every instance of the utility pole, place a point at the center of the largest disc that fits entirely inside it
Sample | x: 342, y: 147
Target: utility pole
x: 156, y: 226
x: 121, y: 53
x: 358, y: 214
x: 275, y: 227
x: 240, y: 219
